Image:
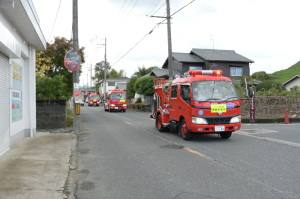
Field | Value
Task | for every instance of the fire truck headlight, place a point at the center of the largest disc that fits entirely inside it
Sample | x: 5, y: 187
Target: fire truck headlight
x: 198, y: 120
x: 236, y: 119
x: 124, y: 104
x: 112, y: 105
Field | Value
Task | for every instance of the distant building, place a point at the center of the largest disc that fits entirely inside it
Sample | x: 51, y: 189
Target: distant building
x: 20, y: 38
x: 113, y: 83
x: 295, y: 81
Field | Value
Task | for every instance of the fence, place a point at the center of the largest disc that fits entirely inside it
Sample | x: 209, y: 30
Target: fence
x: 272, y: 107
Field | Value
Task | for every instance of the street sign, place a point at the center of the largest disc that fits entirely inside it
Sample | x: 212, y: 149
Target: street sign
x: 72, y: 60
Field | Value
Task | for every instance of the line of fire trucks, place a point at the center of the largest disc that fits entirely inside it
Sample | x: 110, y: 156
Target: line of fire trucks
x: 200, y: 102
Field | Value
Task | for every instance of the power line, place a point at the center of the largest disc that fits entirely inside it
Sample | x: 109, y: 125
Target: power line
x: 149, y: 33
x: 54, y: 20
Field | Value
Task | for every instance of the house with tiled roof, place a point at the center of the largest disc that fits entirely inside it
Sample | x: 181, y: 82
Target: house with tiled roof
x: 231, y: 63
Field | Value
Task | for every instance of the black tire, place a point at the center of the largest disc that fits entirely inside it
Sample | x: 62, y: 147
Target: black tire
x: 159, y: 124
x: 183, y: 130
x: 124, y: 110
x: 226, y: 134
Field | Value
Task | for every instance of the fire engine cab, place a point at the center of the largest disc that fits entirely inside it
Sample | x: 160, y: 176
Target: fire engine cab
x: 201, y: 102
x: 116, y: 100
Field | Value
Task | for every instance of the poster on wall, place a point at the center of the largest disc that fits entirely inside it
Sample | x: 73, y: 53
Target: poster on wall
x: 16, y: 92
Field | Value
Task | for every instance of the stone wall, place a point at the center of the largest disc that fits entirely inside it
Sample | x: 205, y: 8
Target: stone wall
x: 51, y: 114
x: 272, y: 107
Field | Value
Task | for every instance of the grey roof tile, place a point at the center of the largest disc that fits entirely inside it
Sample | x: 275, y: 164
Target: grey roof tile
x: 220, y: 55
x: 186, y: 57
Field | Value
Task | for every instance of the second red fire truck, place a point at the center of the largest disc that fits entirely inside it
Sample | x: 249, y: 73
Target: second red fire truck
x: 201, y: 102
x: 116, y: 100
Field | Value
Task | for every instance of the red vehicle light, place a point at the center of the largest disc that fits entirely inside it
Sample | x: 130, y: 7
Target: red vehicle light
x: 205, y: 72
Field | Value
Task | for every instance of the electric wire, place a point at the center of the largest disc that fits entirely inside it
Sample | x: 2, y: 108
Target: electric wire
x: 149, y: 33
x: 54, y: 20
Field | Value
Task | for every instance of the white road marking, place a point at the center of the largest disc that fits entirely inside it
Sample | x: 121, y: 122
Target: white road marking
x: 241, y: 132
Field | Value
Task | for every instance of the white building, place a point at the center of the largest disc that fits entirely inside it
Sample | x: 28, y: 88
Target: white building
x: 113, y: 83
x: 20, y: 38
x: 295, y: 81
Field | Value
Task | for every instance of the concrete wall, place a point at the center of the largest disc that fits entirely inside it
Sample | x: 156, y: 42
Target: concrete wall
x: 51, y: 114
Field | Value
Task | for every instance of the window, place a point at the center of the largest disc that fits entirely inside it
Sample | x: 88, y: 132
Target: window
x: 174, y: 92
x: 185, y: 93
x: 195, y: 68
x: 236, y: 71
x: 111, y: 83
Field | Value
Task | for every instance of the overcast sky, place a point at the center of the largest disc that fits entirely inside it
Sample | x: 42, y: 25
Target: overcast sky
x: 265, y: 31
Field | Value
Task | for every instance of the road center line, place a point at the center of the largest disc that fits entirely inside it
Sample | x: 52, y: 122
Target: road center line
x: 174, y: 143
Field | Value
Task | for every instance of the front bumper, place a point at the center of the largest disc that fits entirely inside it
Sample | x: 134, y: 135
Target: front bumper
x: 215, y: 128
x: 118, y: 107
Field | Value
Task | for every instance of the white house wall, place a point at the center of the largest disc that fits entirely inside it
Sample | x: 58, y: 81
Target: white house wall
x: 17, y: 73
x: 293, y: 83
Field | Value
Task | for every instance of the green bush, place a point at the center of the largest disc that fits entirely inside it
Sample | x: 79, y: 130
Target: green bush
x: 144, y: 86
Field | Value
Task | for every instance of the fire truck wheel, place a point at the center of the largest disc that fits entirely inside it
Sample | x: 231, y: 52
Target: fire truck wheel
x: 225, y: 135
x: 159, y: 124
x: 124, y: 110
x: 183, y: 130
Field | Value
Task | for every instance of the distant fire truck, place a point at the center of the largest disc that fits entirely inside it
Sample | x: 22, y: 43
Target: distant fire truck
x: 116, y: 100
x: 201, y: 102
x: 94, y: 100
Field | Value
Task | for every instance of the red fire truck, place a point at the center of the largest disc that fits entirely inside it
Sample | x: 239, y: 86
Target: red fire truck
x: 94, y: 100
x: 116, y: 100
x: 201, y: 102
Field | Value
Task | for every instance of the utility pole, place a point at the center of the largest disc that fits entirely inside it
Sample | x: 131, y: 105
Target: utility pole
x: 169, y: 41
x: 104, y: 69
x: 75, y: 73
x: 91, y: 78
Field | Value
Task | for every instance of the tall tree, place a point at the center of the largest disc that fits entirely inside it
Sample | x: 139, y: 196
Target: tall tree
x: 50, y: 63
x: 110, y: 72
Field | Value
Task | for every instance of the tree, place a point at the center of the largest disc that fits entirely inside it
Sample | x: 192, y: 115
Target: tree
x: 269, y: 87
x: 99, y: 70
x: 130, y: 90
x: 142, y: 71
x: 50, y: 63
x: 51, y: 88
x: 110, y: 72
x: 261, y: 76
x: 144, y: 86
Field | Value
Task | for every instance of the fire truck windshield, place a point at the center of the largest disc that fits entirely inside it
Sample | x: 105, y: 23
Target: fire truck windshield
x: 94, y: 97
x: 214, y: 91
x: 117, y: 96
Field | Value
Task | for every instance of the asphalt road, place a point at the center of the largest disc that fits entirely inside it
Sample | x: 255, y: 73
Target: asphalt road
x: 122, y: 155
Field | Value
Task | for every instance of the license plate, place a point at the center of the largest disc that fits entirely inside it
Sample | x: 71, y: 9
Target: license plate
x: 219, y: 128
x: 116, y: 107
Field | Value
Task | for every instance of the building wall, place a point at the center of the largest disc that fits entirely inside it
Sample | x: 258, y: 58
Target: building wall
x: 225, y: 67
x: 4, y: 103
x: 295, y: 82
x: 17, y: 75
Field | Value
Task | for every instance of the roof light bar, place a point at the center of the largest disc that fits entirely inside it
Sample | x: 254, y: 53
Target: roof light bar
x: 205, y: 72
